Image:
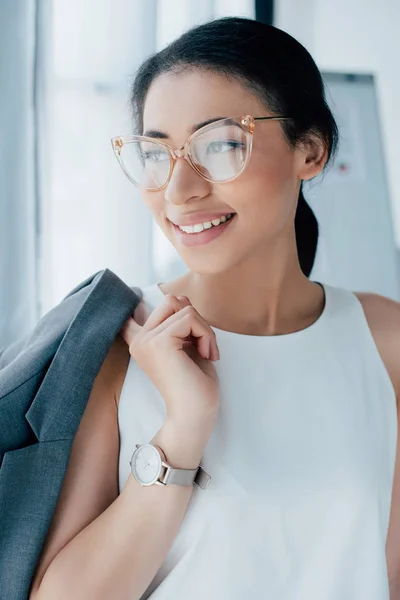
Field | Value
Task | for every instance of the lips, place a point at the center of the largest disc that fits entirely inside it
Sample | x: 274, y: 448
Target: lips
x: 205, y: 236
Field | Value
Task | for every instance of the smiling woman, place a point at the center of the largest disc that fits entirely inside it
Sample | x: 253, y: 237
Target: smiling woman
x: 239, y: 111
x: 280, y: 389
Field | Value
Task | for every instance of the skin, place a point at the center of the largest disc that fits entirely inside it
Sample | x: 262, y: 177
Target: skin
x: 258, y: 252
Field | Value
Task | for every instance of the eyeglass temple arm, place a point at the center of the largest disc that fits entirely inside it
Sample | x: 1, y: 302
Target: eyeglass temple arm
x: 272, y: 118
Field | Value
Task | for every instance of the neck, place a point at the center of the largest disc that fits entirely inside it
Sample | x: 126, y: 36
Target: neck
x: 264, y: 298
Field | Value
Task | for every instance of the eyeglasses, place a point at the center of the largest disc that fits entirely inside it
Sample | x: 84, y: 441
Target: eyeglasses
x: 219, y: 152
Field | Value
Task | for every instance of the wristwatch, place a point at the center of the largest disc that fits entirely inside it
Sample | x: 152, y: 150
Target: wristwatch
x: 149, y: 466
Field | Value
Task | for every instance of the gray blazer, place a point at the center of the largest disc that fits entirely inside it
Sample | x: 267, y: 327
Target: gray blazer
x: 45, y: 383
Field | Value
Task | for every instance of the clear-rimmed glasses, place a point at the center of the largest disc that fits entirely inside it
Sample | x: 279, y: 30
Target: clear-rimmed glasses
x: 219, y: 152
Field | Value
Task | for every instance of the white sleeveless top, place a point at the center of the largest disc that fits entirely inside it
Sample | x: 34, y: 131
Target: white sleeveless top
x: 302, y: 462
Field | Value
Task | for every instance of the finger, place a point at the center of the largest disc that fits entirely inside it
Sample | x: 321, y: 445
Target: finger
x: 170, y: 304
x: 213, y: 346
x: 195, y: 328
x: 190, y: 324
x: 168, y: 307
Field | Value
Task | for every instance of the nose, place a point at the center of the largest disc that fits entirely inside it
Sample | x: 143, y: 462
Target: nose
x: 185, y: 183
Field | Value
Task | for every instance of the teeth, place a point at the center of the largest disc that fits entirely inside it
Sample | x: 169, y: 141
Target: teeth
x: 201, y: 226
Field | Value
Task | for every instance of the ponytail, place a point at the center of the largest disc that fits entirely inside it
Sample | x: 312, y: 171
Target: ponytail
x: 306, y: 226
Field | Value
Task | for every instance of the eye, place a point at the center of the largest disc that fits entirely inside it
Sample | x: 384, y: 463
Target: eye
x: 154, y: 156
x: 223, y: 146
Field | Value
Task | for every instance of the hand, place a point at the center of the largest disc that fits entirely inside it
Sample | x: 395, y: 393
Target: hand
x: 175, y: 347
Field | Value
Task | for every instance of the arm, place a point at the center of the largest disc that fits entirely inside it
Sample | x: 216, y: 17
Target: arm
x: 101, y: 545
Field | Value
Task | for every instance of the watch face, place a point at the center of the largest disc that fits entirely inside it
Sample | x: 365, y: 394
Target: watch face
x: 146, y: 464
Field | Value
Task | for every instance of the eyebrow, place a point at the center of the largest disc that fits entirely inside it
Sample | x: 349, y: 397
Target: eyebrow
x: 161, y: 135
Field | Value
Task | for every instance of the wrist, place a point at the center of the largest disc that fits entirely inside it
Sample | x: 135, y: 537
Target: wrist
x: 181, y: 449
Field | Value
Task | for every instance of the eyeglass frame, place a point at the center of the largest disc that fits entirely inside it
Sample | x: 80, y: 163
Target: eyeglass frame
x: 183, y: 152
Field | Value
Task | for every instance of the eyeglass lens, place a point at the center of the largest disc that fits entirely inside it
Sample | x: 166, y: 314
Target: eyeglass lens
x: 219, y: 154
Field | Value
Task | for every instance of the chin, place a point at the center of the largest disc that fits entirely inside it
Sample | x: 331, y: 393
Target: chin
x: 202, y: 265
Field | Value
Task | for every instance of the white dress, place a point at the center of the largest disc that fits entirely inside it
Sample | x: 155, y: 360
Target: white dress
x: 302, y: 462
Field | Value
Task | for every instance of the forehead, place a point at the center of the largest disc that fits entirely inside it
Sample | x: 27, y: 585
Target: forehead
x: 177, y: 101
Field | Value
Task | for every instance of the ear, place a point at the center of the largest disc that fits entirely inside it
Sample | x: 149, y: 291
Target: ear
x: 313, y: 155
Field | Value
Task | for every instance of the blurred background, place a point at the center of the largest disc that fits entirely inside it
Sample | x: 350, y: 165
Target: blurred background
x: 67, y: 210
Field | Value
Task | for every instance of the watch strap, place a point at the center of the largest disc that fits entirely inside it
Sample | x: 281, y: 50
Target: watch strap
x: 187, y: 477
x: 184, y: 476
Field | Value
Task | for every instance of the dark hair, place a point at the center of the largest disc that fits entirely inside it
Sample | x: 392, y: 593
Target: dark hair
x: 274, y: 66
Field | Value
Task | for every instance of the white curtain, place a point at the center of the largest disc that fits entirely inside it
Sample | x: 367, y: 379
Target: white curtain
x: 18, y: 183
x: 92, y: 217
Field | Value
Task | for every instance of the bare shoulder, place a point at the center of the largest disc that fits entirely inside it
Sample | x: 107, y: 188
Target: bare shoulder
x: 383, y: 317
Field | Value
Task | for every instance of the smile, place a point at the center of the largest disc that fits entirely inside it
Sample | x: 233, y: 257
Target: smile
x: 204, y: 235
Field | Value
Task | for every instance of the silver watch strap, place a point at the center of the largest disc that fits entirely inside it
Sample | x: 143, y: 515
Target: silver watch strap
x: 187, y: 477
x: 183, y: 476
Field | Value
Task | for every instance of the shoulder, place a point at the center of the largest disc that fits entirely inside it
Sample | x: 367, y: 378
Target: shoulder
x: 383, y: 317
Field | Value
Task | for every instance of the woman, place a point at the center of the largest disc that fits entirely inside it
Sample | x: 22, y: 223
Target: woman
x: 282, y: 388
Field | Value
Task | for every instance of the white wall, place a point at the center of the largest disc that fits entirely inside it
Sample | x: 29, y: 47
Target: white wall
x: 356, y: 36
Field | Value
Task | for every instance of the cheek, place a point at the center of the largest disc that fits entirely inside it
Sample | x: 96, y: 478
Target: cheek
x: 261, y: 195
x: 273, y: 167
